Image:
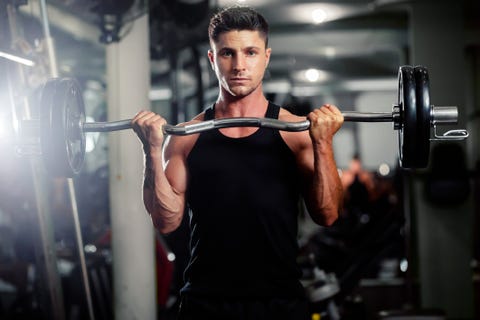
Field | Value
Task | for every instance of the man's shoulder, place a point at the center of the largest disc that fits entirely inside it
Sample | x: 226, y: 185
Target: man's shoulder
x: 286, y: 115
x: 296, y: 141
x: 206, y: 113
x: 197, y: 118
x: 183, y: 144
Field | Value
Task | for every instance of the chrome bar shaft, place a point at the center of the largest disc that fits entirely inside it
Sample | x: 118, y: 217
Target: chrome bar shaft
x: 237, y: 122
x: 107, y: 126
x: 356, y: 116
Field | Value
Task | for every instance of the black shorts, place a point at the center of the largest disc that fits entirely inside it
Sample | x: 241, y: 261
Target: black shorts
x: 195, y: 307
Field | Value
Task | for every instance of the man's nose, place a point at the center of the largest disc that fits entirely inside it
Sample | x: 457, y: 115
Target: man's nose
x: 239, y: 63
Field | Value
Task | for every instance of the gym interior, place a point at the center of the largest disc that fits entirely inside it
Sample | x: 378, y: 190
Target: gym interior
x: 407, y: 243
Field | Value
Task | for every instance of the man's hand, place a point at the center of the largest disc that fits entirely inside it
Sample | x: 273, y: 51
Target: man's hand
x: 148, y: 127
x: 324, y: 123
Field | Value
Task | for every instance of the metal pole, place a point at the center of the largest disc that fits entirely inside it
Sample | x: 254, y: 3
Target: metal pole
x: 71, y: 187
x: 48, y: 39
x: 45, y: 248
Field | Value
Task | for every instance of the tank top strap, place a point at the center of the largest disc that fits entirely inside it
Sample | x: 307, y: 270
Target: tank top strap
x: 209, y: 113
x: 272, y: 111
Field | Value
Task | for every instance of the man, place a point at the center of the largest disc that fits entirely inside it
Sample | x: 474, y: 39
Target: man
x: 242, y: 185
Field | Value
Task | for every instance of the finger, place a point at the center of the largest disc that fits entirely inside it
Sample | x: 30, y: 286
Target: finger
x: 153, y: 119
x: 323, y: 112
x: 315, y: 115
x: 332, y: 112
x: 326, y: 115
x: 329, y: 109
x: 140, y: 114
x: 333, y: 108
x: 146, y: 118
x: 138, y: 122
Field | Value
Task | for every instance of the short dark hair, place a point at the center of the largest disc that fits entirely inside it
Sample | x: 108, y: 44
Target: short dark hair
x: 237, y: 18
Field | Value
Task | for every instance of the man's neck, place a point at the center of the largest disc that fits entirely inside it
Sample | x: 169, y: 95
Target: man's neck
x: 253, y: 105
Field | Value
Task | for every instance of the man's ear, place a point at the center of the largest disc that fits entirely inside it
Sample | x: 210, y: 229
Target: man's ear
x: 211, y: 58
x: 268, y: 51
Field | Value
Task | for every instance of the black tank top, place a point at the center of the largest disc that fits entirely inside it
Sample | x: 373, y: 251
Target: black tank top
x: 243, y: 198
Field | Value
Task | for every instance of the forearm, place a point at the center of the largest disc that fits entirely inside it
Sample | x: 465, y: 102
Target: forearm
x: 161, y: 200
x: 325, y: 195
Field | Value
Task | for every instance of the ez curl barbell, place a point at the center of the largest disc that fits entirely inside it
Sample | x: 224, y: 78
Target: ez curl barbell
x: 62, y: 123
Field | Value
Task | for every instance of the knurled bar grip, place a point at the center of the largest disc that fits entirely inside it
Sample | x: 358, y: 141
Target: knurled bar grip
x: 237, y: 122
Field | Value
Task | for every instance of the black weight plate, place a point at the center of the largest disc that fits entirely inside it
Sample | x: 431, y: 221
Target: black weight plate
x: 74, y: 114
x: 408, y: 117
x: 422, y: 84
x: 62, y: 114
x: 48, y: 132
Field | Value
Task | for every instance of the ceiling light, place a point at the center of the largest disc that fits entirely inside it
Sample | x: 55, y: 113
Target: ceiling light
x: 330, y: 52
x: 17, y: 59
x: 306, y: 76
x: 312, y: 75
x: 319, y: 16
x: 384, y: 169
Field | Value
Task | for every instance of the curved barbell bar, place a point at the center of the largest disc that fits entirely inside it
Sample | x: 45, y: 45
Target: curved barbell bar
x: 444, y: 115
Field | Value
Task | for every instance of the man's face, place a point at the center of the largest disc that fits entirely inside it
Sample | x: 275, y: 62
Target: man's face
x: 239, y: 59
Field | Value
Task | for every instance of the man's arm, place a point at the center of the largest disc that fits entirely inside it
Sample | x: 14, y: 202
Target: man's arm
x: 164, y: 187
x: 165, y: 176
x: 325, y: 194
x: 323, y: 191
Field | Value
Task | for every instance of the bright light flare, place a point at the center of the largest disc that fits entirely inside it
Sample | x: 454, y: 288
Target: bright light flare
x: 17, y: 59
x: 90, y: 248
x: 3, y: 133
x: 404, y: 265
x: 5, y: 128
x: 91, y: 138
x: 312, y: 75
x: 330, y: 52
x: 315, y: 75
x: 384, y: 169
x: 8, y: 120
x: 319, y: 16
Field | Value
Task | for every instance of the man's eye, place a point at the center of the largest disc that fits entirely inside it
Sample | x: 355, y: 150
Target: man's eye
x: 226, y: 54
x: 252, y: 53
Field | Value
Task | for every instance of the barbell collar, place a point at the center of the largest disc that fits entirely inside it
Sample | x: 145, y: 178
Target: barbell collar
x: 444, y: 115
x: 451, y: 135
x: 396, y: 117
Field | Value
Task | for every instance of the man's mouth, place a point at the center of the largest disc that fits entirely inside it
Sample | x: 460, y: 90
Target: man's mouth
x: 239, y: 79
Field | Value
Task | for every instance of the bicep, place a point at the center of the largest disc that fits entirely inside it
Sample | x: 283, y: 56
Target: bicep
x: 305, y: 164
x: 301, y: 146
x: 175, y: 167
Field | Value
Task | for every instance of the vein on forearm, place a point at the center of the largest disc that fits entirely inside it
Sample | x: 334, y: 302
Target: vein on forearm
x: 325, y: 193
x: 161, y: 199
